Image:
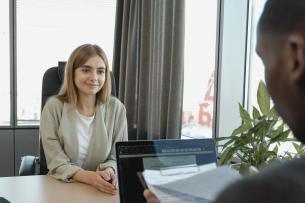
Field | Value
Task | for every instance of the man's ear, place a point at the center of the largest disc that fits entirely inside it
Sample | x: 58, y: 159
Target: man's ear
x: 297, y: 46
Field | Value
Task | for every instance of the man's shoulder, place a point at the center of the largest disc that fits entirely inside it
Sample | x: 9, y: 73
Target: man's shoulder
x: 296, y: 167
x: 282, y: 183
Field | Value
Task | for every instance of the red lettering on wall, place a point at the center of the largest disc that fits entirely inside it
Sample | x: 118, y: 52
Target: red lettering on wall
x: 203, y: 114
x: 208, y: 96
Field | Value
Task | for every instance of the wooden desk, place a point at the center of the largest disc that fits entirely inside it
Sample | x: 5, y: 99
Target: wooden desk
x: 41, y: 189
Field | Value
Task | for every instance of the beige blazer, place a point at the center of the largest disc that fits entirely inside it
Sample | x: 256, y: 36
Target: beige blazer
x: 60, y: 141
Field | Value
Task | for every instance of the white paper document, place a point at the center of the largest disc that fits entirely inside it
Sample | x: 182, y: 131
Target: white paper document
x: 201, y: 187
x: 154, y: 163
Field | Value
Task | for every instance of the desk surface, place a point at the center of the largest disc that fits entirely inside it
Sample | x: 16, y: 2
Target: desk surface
x: 44, y: 188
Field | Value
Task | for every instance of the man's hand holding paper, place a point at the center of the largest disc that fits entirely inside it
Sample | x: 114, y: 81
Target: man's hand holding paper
x: 203, y: 186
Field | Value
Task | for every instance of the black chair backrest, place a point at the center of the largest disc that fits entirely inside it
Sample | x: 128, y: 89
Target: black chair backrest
x: 51, y: 83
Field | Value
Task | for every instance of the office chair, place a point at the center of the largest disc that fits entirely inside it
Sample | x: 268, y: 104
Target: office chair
x: 51, y: 84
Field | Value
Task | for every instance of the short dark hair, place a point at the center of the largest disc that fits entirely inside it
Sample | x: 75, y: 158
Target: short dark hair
x: 281, y: 17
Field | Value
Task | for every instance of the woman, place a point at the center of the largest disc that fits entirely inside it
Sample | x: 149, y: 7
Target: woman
x: 80, y: 126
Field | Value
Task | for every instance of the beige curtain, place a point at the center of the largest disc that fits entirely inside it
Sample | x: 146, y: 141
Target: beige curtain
x: 148, y: 65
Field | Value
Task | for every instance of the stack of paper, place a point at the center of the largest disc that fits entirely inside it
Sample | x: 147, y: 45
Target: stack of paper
x: 201, y: 187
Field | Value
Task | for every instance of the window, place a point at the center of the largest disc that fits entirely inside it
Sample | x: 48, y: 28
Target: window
x: 199, y: 66
x: 50, y: 31
x: 256, y: 69
x: 5, y: 101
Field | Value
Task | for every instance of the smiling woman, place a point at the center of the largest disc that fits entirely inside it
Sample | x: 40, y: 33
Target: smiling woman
x: 80, y: 126
x: 83, y: 60
x: 90, y: 75
x: 89, y: 80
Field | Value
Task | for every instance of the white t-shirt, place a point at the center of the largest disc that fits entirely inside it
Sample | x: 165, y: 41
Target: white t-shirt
x: 84, y: 126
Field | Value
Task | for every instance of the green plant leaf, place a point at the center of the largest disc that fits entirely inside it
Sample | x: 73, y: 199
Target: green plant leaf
x: 255, y: 113
x: 273, y: 159
x: 228, y: 138
x: 290, y: 140
x: 223, y: 156
x: 263, y: 98
x: 281, y: 137
x: 289, y: 155
x: 227, y: 143
x: 269, y: 136
x: 230, y: 159
x: 272, y: 123
x: 267, y: 154
x: 271, y: 129
x: 276, y: 149
x: 301, y: 152
x: 256, y: 129
x: 240, y: 129
x: 245, y: 116
x: 242, y: 158
x: 244, y: 169
x: 238, y: 146
x: 244, y: 149
x: 271, y: 112
x: 296, y: 146
x: 259, y: 119
x: 265, y: 127
x: 248, y: 123
x: 249, y: 133
x: 279, y: 159
x: 278, y: 130
x: 244, y: 141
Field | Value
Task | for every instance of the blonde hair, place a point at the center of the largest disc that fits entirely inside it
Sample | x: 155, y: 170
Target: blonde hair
x: 68, y: 92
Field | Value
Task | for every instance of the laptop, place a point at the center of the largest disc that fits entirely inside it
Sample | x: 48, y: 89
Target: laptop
x: 137, y: 156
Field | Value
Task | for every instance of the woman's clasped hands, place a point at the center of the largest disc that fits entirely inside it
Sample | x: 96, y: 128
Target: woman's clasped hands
x: 106, y: 181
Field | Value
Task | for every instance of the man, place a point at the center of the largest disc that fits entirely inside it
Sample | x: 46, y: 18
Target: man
x: 281, y: 46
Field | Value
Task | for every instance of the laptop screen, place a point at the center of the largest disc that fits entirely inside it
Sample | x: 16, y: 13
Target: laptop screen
x: 137, y: 156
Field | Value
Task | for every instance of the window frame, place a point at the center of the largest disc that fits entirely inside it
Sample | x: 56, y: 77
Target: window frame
x: 12, y: 18
x: 227, y: 119
x: 13, y: 70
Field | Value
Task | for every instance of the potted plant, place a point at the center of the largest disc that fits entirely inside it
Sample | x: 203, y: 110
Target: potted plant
x: 251, y: 141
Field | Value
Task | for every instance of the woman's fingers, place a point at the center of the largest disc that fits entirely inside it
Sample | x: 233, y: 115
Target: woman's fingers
x: 104, y: 175
x: 106, y: 184
x: 106, y: 187
x: 111, y: 191
x: 102, y: 184
x: 106, y: 191
x: 114, y: 179
x: 109, y: 175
